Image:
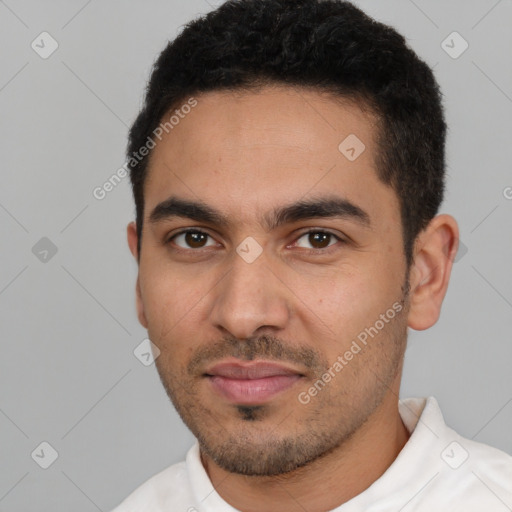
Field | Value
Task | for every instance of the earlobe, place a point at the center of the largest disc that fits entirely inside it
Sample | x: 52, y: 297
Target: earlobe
x: 131, y: 235
x: 140, y: 305
x: 435, y: 250
x: 131, y: 232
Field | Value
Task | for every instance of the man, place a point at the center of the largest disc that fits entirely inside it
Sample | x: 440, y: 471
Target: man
x: 287, y: 170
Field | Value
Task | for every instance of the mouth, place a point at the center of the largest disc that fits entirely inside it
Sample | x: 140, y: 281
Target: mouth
x: 250, y: 383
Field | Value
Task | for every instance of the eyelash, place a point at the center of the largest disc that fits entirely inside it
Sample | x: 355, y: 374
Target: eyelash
x: 327, y: 250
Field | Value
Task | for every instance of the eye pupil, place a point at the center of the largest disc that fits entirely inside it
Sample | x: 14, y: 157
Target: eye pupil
x: 193, y: 239
x: 319, y: 237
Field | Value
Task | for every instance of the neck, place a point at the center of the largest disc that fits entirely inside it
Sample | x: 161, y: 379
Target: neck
x: 325, y: 483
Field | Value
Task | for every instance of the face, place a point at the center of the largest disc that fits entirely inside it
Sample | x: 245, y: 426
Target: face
x: 272, y: 276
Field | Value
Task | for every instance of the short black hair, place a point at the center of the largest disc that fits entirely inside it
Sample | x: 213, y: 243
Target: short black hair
x: 329, y: 45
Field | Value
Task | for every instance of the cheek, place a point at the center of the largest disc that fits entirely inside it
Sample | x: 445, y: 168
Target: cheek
x: 171, y: 312
x: 330, y: 306
x: 171, y: 302
x: 347, y: 300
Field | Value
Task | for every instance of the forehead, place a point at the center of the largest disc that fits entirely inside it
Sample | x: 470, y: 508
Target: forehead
x: 245, y: 152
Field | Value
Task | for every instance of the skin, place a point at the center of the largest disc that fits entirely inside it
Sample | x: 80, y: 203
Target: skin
x: 244, y: 154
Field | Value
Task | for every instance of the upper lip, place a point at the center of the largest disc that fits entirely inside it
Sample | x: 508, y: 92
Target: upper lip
x: 249, y: 370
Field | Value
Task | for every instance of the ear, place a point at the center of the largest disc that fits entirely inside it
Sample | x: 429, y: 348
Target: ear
x: 434, y: 252
x: 131, y: 232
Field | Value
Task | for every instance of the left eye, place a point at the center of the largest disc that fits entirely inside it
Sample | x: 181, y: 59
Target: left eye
x: 320, y: 238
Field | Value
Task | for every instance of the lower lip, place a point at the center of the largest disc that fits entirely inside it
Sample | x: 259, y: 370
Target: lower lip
x: 252, y: 391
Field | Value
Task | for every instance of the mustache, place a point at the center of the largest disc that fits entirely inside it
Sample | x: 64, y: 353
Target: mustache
x: 261, y: 347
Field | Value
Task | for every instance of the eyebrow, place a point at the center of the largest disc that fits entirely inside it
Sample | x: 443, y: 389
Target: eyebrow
x: 322, y: 207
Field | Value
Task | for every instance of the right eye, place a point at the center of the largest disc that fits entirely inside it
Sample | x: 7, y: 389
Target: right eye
x: 194, y: 238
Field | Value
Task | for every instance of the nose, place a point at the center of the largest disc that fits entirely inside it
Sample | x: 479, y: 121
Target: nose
x: 251, y: 296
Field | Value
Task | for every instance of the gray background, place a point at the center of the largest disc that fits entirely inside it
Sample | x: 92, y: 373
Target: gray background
x: 68, y: 375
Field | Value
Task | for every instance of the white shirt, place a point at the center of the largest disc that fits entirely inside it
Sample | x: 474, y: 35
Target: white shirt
x: 436, y: 471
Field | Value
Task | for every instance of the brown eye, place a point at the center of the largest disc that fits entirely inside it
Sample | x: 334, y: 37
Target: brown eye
x: 191, y: 239
x: 317, y: 239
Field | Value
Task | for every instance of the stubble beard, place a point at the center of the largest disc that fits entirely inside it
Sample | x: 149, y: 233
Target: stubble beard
x: 259, y: 444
